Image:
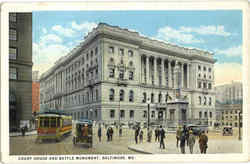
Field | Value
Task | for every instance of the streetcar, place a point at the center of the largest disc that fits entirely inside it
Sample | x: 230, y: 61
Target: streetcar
x: 82, y: 132
x: 53, y: 124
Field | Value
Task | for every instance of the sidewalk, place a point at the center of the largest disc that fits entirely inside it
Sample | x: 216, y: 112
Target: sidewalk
x: 14, y: 134
x: 214, y: 146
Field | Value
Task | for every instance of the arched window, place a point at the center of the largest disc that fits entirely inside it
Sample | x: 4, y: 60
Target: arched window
x: 199, y: 100
x: 144, y: 97
x: 121, y: 95
x: 210, y: 101
x: 205, y: 100
x: 152, y: 98
x: 96, y: 94
x: 131, y: 96
x: 111, y: 94
x: 130, y: 53
x: 159, y: 97
x: 131, y: 75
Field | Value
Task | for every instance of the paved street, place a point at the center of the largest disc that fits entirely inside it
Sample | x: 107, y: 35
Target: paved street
x: 26, y: 145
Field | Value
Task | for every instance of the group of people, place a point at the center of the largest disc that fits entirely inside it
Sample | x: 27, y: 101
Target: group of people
x: 109, y: 134
x: 186, y: 135
x: 138, y: 133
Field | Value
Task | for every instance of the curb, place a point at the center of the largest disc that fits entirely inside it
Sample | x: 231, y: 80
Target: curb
x: 138, y: 150
x: 17, y: 135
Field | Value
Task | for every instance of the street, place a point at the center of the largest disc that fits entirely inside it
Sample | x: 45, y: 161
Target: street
x: 27, y: 145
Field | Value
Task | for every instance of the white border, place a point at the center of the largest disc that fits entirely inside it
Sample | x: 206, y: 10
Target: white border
x: 125, y: 5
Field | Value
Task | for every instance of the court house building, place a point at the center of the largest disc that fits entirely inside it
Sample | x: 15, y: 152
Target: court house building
x: 117, y: 76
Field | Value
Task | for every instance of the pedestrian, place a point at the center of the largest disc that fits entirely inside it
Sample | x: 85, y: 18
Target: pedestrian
x: 136, y: 134
x: 141, y: 136
x: 111, y: 134
x: 108, y: 134
x: 186, y: 131
x: 182, y: 142
x: 100, y: 133
x: 120, y: 131
x: 156, y: 134
x: 191, y: 141
x: 203, y: 140
x: 150, y: 135
x: 23, y: 131
x: 161, y: 135
x: 178, y: 136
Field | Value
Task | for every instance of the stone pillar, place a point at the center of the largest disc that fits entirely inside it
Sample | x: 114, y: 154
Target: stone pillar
x: 163, y: 73
x: 182, y: 75
x: 155, y: 71
x: 187, y: 75
x: 147, y: 70
x: 148, y: 77
x: 169, y: 74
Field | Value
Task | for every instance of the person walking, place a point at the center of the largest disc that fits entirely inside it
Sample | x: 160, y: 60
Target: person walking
x: 141, y: 136
x: 182, y: 142
x: 137, y: 130
x: 203, y: 140
x: 99, y: 133
x: 191, y: 141
x: 120, y: 131
x: 178, y: 136
x: 161, y: 134
x: 111, y: 133
x: 108, y: 134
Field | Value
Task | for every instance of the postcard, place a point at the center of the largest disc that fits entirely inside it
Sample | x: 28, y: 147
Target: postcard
x: 124, y: 82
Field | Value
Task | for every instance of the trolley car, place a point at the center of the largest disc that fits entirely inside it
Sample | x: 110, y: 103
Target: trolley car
x: 82, y: 132
x: 53, y: 124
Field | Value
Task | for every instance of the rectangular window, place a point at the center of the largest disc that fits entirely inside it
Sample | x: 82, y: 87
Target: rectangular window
x: 131, y: 113
x: 210, y: 115
x: 13, y: 73
x: 122, y: 114
x: 200, y: 115
x: 12, y: 17
x: 121, y: 51
x: 111, y: 72
x: 131, y: 75
x: 121, y: 75
x: 96, y: 50
x: 12, y: 34
x: 111, y: 50
x: 144, y: 114
x: 112, y: 113
x: 12, y: 53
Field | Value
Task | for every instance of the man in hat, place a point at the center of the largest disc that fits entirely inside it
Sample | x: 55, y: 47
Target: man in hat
x: 191, y: 141
x: 162, y: 137
x: 178, y: 136
x: 203, y: 139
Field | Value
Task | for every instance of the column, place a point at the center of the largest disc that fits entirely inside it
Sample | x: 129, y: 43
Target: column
x: 182, y: 75
x: 169, y: 74
x: 187, y: 75
x: 147, y: 70
x: 155, y: 71
x: 148, y: 78
x: 162, y: 73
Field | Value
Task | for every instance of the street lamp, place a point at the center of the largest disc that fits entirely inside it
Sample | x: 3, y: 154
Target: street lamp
x: 148, y: 102
x: 240, y: 125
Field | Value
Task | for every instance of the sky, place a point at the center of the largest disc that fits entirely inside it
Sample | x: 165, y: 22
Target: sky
x: 55, y: 33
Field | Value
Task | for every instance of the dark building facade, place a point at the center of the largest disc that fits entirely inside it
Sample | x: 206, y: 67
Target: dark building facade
x: 20, y: 69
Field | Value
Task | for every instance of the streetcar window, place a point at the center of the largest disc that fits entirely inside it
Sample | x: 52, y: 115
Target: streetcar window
x: 41, y: 122
x: 46, y: 122
x: 53, y: 122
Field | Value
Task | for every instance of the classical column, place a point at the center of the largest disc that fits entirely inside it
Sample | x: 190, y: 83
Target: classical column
x: 187, y: 75
x: 155, y: 71
x: 148, y: 78
x: 147, y: 70
x: 169, y: 74
x: 162, y: 73
x: 182, y: 75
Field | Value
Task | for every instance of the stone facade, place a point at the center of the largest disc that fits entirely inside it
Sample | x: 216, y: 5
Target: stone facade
x: 116, y: 71
x: 20, y: 68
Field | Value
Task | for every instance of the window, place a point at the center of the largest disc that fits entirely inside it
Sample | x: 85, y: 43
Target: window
x: 111, y: 72
x: 111, y: 94
x: 12, y: 17
x: 111, y: 49
x: 131, y: 75
x: 199, y: 67
x: 199, y: 100
x: 122, y: 114
x: 91, y: 53
x: 199, y: 85
x: 236, y: 117
x: 210, y: 101
x: 12, y: 34
x: 131, y: 64
x: 153, y: 114
x: 205, y: 114
x: 204, y: 85
x: 205, y: 76
x: 121, y: 74
x: 131, y: 113
x: 209, y: 86
x: 152, y: 98
x: 204, y: 68
x: 144, y: 97
x: 205, y: 100
x: 200, y: 115
x: 199, y: 75
x: 130, y: 53
x: 159, y: 97
x: 121, y: 51
x: 131, y: 96
x: 209, y: 69
x: 210, y: 114
x: 87, y: 57
x: 12, y: 53
x: 121, y: 95
x: 112, y: 113
x: 82, y: 60
x: 144, y: 114
x: 96, y: 94
x: 13, y: 73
